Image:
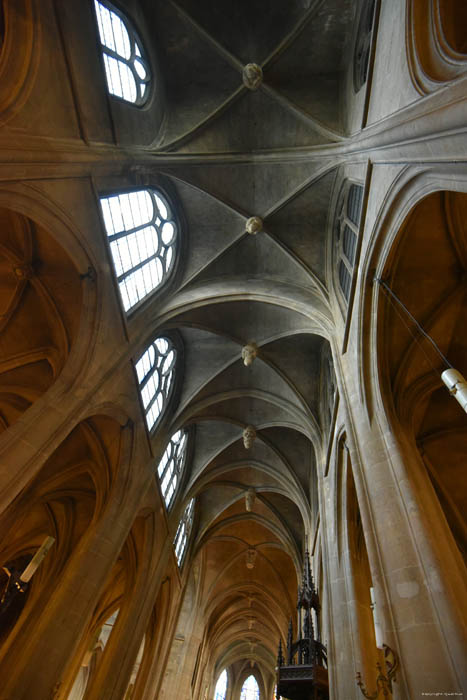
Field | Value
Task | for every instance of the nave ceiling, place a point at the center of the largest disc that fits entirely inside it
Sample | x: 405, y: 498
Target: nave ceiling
x: 239, y: 289
x: 234, y: 288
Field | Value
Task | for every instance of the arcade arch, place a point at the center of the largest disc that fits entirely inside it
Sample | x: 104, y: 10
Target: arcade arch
x: 41, y: 309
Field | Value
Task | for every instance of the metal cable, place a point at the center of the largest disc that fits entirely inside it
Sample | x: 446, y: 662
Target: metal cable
x: 388, y: 289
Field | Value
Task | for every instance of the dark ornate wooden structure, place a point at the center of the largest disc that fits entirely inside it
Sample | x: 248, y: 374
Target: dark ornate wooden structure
x: 303, y: 674
x: 13, y: 593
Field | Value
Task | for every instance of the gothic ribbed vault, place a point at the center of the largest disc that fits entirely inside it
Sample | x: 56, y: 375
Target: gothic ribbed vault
x: 306, y: 147
x: 233, y: 288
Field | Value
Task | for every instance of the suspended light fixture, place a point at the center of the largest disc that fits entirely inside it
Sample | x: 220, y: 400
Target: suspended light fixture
x: 457, y: 386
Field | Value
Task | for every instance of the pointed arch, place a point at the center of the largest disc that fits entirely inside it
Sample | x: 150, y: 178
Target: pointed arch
x: 250, y: 689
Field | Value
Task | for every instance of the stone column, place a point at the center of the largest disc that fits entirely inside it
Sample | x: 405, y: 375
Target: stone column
x: 412, y: 572
x: 343, y: 642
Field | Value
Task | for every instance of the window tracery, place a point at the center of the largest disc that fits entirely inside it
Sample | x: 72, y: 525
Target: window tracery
x: 171, y: 465
x: 155, y: 370
x: 142, y: 234
x: 126, y: 68
x: 183, y: 532
x: 346, y: 234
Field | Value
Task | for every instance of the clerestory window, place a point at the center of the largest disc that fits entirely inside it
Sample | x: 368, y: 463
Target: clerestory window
x: 155, y: 370
x: 183, y: 532
x: 346, y: 234
x: 142, y: 234
x: 171, y: 465
x: 126, y: 67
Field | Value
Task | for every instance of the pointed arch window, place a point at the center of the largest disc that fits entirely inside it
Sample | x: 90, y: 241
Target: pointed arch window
x: 171, y: 465
x: 346, y: 233
x: 155, y: 370
x: 126, y: 67
x: 142, y: 234
x: 221, y: 686
x: 250, y: 689
x: 183, y: 532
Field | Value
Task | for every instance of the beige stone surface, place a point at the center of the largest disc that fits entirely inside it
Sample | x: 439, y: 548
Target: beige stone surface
x: 358, y: 451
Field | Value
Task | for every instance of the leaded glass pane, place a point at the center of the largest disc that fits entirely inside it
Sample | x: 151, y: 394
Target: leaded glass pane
x: 171, y: 465
x: 126, y: 68
x: 142, y: 236
x: 349, y: 244
x: 346, y: 226
x: 345, y: 280
x: 354, y: 203
x: 155, y: 370
x: 363, y: 44
x: 183, y: 532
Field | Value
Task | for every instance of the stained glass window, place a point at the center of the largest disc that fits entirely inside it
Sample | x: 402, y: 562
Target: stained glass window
x: 155, y: 370
x: 221, y: 686
x: 142, y: 234
x: 250, y: 689
x: 171, y: 465
x: 183, y: 532
x: 126, y: 68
